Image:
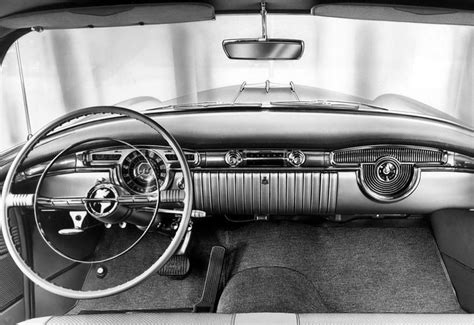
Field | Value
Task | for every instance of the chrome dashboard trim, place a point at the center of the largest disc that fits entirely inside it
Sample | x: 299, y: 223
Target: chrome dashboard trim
x: 445, y: 158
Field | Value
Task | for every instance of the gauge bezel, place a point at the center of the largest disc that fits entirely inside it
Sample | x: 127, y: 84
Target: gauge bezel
x: 143, y: 151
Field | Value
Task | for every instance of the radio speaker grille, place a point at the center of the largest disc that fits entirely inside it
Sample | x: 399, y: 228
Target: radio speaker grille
x: 370, y: 155
x: 387, y: 188
x: 387, y: 179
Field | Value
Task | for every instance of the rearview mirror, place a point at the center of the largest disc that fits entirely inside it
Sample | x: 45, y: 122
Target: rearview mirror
x: 263, y: 49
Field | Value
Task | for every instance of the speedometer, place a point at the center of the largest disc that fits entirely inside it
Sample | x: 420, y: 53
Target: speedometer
x: 137, y: 171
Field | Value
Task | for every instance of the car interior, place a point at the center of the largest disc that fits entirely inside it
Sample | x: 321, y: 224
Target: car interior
x: 247, y: 203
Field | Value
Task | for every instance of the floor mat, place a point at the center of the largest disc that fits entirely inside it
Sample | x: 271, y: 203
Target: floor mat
x: 354, y: 269
x: 157, y: 292
x: 270, y: 289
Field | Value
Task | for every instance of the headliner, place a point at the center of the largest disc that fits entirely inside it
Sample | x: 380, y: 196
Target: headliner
x: 10, y: 7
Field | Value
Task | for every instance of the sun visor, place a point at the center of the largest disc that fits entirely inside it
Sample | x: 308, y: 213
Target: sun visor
x: 412, y: 14
x: 117, y: 15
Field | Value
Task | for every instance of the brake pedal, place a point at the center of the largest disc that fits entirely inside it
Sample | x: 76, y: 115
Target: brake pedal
x: 177, y: 267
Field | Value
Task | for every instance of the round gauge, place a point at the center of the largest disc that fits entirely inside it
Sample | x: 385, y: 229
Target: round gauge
x: 137, y: 173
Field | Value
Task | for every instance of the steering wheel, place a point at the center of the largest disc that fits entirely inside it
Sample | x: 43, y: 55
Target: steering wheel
x: 119, y: 199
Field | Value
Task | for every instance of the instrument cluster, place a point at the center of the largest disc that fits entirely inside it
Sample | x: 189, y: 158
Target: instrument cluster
x: 140, y: 171
x: 143, y: 170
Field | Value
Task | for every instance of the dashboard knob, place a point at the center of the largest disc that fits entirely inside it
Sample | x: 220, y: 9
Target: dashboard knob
x: 296, y: 158
x: 233, y: 158
x: 180, y: 183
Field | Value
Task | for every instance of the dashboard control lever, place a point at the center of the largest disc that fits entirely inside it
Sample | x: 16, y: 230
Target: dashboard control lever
x: 185, y: 243
x: 70, y: 231
x: 198, y: 214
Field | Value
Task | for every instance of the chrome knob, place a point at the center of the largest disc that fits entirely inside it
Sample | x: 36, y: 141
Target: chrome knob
x: 296, y: 158
x: 233, y: 158
x: 180, y: 183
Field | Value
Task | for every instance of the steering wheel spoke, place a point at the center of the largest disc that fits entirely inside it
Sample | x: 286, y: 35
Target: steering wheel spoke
x: 18, y: 200
x: 71, y: 203
x: 62, y: 203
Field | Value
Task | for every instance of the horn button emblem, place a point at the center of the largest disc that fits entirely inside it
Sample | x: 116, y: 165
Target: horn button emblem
x: 387, y: 170
x: 102, y: 200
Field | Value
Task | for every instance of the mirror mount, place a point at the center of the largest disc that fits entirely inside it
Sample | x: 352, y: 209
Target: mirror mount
x: 263, y: 14
x: 263, y: 48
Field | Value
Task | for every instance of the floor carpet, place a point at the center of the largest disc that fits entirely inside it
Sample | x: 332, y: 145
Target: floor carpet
x: 353, y: 268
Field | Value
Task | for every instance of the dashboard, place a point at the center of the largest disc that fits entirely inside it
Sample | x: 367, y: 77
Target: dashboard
x: 384, y: 180
x: 256, y: 164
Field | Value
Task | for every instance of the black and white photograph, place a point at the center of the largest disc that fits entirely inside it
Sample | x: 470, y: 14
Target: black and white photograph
x: 237, y: 162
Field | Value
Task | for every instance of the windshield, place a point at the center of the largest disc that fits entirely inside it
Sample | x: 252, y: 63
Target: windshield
x: 418, y: 68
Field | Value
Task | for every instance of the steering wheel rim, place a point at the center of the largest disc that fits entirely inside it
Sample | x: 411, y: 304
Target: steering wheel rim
x: 160, y: 262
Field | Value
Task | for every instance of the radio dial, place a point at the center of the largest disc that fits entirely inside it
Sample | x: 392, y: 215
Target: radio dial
x: 296, y: 158
x: 233, y: 158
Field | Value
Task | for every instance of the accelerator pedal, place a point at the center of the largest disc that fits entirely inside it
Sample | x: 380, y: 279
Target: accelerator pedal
x: 207, y: 304
x: 177, y: 267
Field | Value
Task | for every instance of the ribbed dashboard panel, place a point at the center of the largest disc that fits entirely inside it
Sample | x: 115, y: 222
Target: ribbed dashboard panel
x: 402, y: 154
x: 265, y: 193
